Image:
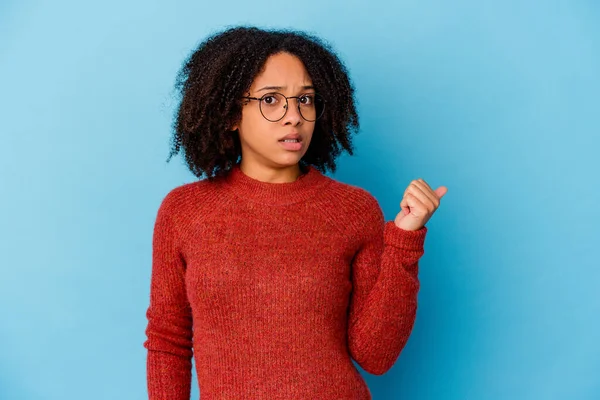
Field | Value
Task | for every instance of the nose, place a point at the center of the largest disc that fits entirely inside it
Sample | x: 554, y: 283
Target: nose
x: 292, y: 115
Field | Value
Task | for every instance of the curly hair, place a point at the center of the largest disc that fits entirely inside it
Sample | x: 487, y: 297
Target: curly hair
x: 222, y: 68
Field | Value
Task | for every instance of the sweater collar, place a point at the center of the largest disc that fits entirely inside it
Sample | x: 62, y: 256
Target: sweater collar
x: 249, y: 188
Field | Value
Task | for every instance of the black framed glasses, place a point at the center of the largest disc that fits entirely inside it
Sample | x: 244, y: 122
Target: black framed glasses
x: 273, y: 106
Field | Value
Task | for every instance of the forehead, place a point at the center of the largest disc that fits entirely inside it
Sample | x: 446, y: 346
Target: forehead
x: 282, y: 69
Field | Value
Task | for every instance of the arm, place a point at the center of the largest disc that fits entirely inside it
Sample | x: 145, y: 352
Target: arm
x: 385, y: 287
x: 169, y: 329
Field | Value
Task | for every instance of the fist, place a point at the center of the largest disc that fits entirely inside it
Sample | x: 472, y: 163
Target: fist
x: 418, y: 205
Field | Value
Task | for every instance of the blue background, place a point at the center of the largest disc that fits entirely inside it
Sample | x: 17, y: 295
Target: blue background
x: 498, y: 101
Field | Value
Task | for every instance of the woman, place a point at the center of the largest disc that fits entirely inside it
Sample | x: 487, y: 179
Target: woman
x: 273, y: 276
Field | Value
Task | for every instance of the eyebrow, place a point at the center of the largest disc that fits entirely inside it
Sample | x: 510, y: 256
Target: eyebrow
x: 282, y: 87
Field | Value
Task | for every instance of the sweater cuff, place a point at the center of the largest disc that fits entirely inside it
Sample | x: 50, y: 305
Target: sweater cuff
x: 403, y: 239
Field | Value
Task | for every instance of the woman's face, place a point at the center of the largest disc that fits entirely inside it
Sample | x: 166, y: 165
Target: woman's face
x: 260, y: 138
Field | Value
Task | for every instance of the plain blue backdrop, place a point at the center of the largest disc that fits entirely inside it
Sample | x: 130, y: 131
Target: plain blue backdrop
x: 498, y: 101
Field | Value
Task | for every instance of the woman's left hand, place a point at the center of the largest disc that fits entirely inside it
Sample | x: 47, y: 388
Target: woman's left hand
x: 418, y: 205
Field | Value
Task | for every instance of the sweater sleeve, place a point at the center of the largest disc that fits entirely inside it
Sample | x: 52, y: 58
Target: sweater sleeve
x: 385, y: 287
x: 169, y: 328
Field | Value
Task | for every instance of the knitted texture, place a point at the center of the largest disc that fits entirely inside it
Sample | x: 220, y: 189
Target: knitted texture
x: 274, y: 288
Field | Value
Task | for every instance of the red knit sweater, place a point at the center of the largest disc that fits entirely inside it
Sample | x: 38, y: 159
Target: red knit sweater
x: 274, y: 288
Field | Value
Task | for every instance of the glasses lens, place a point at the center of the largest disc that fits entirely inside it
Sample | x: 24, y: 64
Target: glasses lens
x: 311, y: 106
x: 272, y: 106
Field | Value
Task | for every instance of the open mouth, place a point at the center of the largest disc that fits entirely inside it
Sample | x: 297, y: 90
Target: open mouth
x: 291, y: 140
x: 291, y: 144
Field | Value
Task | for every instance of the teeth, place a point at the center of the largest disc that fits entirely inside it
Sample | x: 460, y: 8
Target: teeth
x: 291, y: 140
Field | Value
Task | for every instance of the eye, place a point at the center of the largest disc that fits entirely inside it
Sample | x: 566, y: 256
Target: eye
x: 270, y: 99
x: 306, y: 99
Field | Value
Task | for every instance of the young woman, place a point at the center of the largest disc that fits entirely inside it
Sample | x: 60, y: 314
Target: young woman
x: 273, y: 276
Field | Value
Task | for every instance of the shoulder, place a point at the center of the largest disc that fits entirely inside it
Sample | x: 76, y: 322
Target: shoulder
x: 355, y: 195
x: 177, y: 197
x: 187, y: 199
x: 358, y: 202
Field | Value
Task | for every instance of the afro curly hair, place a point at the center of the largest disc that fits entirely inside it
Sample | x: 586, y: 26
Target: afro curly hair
x: 215, y: 77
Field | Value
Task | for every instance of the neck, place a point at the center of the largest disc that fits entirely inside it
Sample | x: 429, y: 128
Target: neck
x: 268, y: 174
x: 291, y: 191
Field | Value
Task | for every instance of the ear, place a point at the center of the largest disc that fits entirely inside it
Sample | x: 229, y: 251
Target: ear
x: 234, y: 125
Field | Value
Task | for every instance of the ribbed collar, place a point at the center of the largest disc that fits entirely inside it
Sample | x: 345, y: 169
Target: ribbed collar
x: 275, y: 193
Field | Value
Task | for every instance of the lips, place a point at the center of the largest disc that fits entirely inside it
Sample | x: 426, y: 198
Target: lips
x: 291, y: 136
x: 292, y: 145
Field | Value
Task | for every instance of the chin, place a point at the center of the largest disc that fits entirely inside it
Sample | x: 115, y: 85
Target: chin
x: 291, y: 159
x: 285, y: 162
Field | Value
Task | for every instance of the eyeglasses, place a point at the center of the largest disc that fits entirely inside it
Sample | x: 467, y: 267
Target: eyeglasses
x: 274, y: 106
